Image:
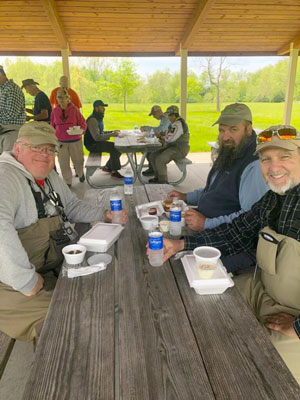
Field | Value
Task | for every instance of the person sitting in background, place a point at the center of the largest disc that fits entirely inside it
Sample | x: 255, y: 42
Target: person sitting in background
x: 233, y: 184
x: 64, y: 117
x: 163, y: 126
x: 12, y: 111
x: 272, y: 226
x: 96, y: 139
x: 42, y: 108
x: 175, y: 145
x: 64, y: 84
x: 35, y: 210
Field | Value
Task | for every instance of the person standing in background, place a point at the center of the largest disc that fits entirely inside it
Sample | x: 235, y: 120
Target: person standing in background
x: 42, y: 108
x: 65, y: 116
x: 12, y: 111
x: 64, y: 84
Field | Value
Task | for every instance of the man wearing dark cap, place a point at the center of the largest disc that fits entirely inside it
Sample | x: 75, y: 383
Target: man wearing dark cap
x: 163, y: 126
x: 175, y: 145
x: 233, y: 184
x: 12, y: 111
x: 36, y: 209
x: 42, y: 107
x: 96, y: 139
x: 273, y: 226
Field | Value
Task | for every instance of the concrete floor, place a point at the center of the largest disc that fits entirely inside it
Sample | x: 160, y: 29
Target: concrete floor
x: 17, y: 370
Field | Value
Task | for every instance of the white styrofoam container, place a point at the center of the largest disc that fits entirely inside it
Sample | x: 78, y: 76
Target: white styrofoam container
x: 219, y: 282
x: 142, y: 209
x: 101, y: 237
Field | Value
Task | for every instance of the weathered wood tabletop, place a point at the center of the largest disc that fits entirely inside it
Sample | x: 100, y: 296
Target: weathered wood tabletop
x: 138, y: 332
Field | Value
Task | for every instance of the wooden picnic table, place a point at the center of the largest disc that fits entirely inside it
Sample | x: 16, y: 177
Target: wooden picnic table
x: 128, y: 143
x: 138, y: 332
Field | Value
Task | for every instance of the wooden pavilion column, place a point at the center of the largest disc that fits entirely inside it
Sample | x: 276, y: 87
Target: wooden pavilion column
x: 288, y: 105
x: 183, y: 82
x: 65, y: 63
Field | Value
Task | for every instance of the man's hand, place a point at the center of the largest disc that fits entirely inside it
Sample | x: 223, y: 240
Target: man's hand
x: 282, y: 323
x: 171, y: 247
x: 174, y: 193
x: 194, y: 220
x: 143, y: 128
x: 115, y: 133
x: 108, y: 217
x: 38, y: 286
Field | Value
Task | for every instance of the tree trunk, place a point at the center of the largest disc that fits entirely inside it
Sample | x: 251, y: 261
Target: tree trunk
x: 124, y: 101
x: 218, y: 98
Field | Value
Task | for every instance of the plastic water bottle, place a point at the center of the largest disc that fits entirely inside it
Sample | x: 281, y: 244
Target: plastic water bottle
x: 156, y: 247
x: 116, y: 207
x: 128, y: 181
x: 152, y: 136
x: 136, y: 128
x: 175, y: 218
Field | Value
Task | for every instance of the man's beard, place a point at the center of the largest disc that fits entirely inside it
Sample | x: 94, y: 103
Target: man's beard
x: 284, y: 188
x: 228, y: 153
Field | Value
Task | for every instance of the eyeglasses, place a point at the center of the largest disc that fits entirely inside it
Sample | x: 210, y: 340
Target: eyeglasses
x: 281, y: 133
x: 40, y: 148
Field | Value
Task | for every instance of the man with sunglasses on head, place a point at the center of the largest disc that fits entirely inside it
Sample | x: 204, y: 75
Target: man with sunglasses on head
x: 273, y: 226
x: 234, y: 182
x: 36, y: 212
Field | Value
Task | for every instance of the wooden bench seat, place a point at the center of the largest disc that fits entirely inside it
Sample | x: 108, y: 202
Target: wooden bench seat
x: 181, y: 164
x: 6, y: 346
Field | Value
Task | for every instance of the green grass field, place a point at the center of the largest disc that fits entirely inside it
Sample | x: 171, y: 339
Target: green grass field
x: 200, y: 117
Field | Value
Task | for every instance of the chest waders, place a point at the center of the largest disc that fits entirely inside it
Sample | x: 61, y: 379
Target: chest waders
x: 43, y: 241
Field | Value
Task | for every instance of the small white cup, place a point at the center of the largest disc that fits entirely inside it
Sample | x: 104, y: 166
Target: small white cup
x: 164, y: 224
x: 71, y: 257
x: 206, y: 259
x: 149, y: 221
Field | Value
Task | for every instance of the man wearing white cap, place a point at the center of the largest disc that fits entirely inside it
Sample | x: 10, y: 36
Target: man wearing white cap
x: 273, y: 290
x: 36, y: 209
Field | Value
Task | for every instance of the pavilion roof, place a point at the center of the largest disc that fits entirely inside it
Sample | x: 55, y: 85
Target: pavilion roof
x: 149, y: 27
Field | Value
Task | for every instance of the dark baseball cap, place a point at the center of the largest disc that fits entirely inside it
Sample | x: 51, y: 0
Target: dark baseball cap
x: 28, y: 82
x: 234, y: 114
x: 99, y: 103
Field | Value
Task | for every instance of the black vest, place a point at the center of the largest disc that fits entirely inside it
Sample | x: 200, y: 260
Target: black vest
x: 221, y: 197
x: 88, y: 138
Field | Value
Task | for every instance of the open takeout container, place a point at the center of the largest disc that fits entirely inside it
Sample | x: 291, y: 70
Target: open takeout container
x: 101, y: 237
x: 217, y: 284
x: 142, y: 210
x: 74, y: 131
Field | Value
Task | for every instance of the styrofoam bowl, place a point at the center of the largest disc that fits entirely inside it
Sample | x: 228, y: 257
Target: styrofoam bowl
x: 206, y: 255
x: 149, y: 221
x: 74, y: 258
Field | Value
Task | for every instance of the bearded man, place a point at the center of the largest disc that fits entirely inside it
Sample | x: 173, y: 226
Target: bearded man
x: 234, y: 183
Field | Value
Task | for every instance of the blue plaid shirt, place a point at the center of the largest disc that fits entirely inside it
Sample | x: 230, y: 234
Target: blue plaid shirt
x: 12, y: 104
x: 242, y: 233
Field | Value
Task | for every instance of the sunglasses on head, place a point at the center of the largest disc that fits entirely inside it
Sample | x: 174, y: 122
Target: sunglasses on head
x: 281, y: 133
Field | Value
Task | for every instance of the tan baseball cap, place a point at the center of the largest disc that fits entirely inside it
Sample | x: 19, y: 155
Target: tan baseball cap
x: 172, y: 110
x: 154, y: 109
x: 234, y: 114
x: 38, y: 133
x: 276, y: 141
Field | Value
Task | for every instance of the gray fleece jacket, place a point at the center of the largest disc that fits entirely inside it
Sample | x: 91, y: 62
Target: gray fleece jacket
x: 18, y: 210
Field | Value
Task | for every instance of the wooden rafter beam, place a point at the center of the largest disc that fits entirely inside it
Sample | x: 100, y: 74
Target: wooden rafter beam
x: 286, y: 48
x: 192, y: 28
x: 56, y: 23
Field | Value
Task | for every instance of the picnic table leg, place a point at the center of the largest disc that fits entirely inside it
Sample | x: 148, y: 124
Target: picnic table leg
x: 140, y: 167
x: 133, y: 164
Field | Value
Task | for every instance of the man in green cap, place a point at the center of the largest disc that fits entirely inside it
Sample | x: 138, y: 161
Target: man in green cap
x: 175, y: 145
x: 36, y: 212
x: 273, y: 226
x: 233, y: 184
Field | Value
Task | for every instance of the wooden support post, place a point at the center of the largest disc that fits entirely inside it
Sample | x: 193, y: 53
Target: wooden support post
x: 288, y: 105
x: 65, y: 63
x: 183, y: 82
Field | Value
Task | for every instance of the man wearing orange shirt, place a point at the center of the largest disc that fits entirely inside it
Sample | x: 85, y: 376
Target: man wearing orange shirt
x: 64, y: 83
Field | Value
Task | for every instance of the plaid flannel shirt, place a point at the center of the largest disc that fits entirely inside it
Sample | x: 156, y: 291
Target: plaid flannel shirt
x: 12, y: 104
x: 242, y: 233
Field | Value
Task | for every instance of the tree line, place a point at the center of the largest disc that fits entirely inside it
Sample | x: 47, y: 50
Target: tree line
x: 117, y: 81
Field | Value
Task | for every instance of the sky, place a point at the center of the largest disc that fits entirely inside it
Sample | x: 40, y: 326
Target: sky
x: 148, y: 65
